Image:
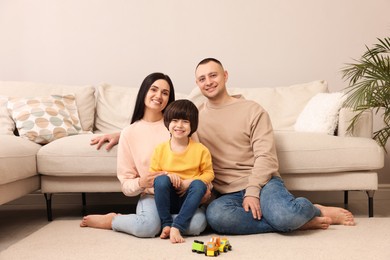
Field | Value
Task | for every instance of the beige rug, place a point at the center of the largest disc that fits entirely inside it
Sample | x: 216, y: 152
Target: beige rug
x: 64, y: 239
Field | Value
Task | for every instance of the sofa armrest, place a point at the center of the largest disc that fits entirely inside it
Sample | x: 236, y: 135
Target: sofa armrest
x: 363, y: 127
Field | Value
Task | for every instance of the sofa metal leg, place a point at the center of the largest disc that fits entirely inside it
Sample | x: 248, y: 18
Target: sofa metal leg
x: 84, y: 202
x: 48, y: 197
x: 370, y: 194
x: 346, y: 199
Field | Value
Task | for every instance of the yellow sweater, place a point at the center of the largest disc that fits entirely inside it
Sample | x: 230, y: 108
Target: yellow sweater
x: 240, y: 138
x: 193, y: 163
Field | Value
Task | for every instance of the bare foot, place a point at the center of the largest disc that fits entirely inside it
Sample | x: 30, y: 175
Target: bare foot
x: 165, y: 232
x: 175, y: 236
x: 98, y: 221
x: 339, y: 216
x: 317, y: 223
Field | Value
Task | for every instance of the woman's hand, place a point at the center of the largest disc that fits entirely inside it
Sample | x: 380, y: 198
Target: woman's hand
x: 147, y: 181
x: 111, y: 139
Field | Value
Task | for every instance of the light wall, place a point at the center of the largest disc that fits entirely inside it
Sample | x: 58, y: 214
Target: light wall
x: 261, y: 43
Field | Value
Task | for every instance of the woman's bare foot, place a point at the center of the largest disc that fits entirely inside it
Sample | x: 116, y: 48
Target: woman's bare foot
x: 98, y: 221
x: 317, y: 223
x: 175, y: 236
x: 339, y: 216
x: 165, y: 232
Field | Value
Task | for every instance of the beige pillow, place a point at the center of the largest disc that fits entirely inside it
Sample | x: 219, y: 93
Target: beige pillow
x: 45, y: 119
x: 7, y: 126
x: 115, y: 106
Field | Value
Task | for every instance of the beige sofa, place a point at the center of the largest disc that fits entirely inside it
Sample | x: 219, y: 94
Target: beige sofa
x: 310, y: 160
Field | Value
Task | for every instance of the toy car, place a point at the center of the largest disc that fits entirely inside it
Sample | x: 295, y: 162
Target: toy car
x: 198, y: 247
x: 225, y: 245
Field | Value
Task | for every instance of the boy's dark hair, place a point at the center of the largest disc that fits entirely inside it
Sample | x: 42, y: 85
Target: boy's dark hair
x: 182, y: 109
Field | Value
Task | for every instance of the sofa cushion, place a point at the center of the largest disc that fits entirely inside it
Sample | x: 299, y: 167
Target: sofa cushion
x: 284, y: 104
x: 74, y: 156
x: 115, y: 106
x: 45, y: 119
x: 7, y: 125
x: 321, y: 113
x: 300, y: 152
x: 17, y: 158
x: 85, y: 96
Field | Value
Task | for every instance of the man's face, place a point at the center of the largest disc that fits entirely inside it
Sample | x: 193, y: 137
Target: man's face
x: 211, y: 79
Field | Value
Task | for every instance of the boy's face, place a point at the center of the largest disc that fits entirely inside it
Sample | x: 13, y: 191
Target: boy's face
x: 180, y: 128
x: 211, y: 80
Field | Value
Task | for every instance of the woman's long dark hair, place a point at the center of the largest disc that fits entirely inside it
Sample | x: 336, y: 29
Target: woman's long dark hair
x: 139, y: 109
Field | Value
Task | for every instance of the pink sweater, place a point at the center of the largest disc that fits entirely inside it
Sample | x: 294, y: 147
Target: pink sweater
x: 135, y: 148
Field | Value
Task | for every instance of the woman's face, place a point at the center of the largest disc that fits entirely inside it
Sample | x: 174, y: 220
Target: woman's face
x: 157, y: 97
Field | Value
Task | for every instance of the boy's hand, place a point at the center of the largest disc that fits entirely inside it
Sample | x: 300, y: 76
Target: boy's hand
x: 175, y: 180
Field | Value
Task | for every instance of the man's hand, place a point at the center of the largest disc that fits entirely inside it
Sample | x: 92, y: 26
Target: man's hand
x: 111, y: 139
x: 253, y: 204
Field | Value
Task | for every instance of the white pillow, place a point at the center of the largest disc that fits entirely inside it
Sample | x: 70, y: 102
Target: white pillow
x: 7, y: 126
x: 320, y: 114
x: 45, y: 119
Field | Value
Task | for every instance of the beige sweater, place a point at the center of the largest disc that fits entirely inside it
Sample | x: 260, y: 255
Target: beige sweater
x: 240, y: 138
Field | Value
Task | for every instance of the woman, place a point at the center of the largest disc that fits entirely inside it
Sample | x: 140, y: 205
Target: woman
x: 136, y: 144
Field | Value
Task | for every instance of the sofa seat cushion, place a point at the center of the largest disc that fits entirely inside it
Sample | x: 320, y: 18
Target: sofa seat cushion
x: 17, y: 158
x: 74, y: 156
x: 320, y: 153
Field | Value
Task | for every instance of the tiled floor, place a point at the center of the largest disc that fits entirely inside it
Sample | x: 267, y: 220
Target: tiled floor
x: 18, y: 221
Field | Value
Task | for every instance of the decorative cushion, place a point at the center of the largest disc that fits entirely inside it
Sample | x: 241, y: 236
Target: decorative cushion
x: 283, y: 104
x: 45, y: 119
x: 320, y: 115
x: 85, y: 96
x: 115, y: 106
x: 7, y: 126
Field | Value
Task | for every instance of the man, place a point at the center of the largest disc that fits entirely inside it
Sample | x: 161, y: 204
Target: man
x: 251, y: 196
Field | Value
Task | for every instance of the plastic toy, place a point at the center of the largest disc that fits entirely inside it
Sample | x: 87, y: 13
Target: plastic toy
x: 225, y: 245
x: 214, y: 247
x: 198, y: 247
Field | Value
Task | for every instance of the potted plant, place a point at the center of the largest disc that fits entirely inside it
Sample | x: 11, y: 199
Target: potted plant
x: 369, y: 87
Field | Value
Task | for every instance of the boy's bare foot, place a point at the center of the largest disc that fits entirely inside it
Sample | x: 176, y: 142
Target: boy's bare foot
x: 339, y: 216
x: 165, y: 232
x: 317, y: 223
x: 98, y: 221
x: 175, y: 236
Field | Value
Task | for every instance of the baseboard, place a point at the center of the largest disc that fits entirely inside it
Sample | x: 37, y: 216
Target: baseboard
x: 118, y: 198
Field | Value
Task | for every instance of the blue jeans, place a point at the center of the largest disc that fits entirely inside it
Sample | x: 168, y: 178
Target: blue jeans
x: 146, y: 222
x: 169, y: 202
x: 282, y: 212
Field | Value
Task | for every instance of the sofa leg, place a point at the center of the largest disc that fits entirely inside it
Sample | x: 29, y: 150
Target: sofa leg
x: 346, y: 199
x: 370, y: 194
x: 48, y: 197
x: 84, y: 201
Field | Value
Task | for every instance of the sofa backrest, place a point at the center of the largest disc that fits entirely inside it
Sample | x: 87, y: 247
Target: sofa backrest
x: 284, y: 104
x: 85, y: 98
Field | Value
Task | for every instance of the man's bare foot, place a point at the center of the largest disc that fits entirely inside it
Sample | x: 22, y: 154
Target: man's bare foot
x: 175, y: 236
x: 339, y: 216
x: 317, y: 223
x: 98, y: 221
x: 165, y: 232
